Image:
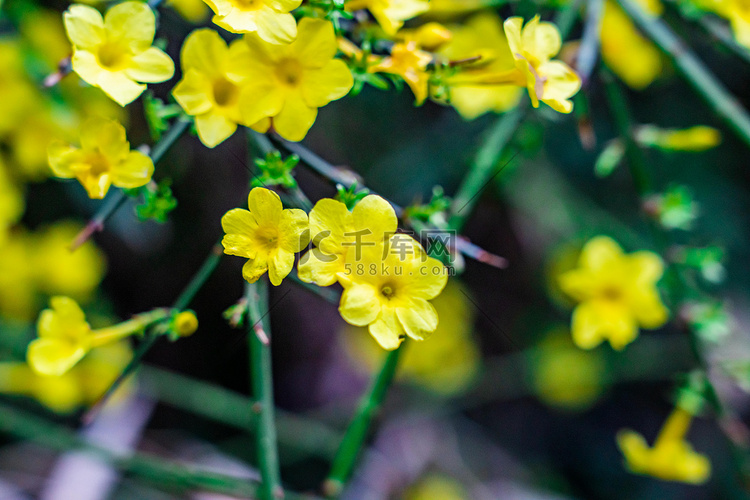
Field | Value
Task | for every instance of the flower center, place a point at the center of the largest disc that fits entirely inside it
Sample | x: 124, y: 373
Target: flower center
x: 98, y: 164
x: 225, y: 92
x: 289, y: 71
x: 112, y: 56
x: 267, y: 238
x: 248, y: 4
x: 387, y: 291
x: 612, y: 294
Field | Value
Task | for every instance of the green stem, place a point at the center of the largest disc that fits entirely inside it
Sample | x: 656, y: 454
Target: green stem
x: 624, y: 123
x: 483, y: 168
x: 703, y: 81
x: 356, y: 432
x: 262, y: 388
x: 138, y: 323
x: 184, y: 299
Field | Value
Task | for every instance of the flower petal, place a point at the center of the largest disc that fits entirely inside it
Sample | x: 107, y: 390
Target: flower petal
x: 275, y: 27
x: 239, y: 226
x: 359, y: 304
x: 265, y: 206
x: 84, y: 26
x: 295, y: 119
x: 84, y: 63
x: 214, y: 128
x: 599, y: 253
x: 53, y: 357
x: 106, y: 136
x: 513, y: 27
x: 596, y: 320
x: 254, y: 269
x: 315, y: 44
x: 294, y: 232
x: 135, y: 171
x: 377, y: 216
x: 119, y: 87
x: 152, y: 66
x: 204, y: 51
x: 387, y: 330
x: 279, y: 266
x: 332, y: 81
x: 419, y: 318
x: 60, y: 156
x: 541, y: 39
x: 133, y: 23
x: 316, y: 266
x: 329, y: 221
x: 192, y: 93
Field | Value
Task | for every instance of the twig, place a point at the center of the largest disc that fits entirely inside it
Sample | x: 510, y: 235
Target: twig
x: 262, y: 385
x: 184, y: 299
x: 588, y: 53
x: 356, y: 432
x: 703, y: 81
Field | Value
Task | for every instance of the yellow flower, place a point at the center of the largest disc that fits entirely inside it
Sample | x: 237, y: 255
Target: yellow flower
x: 533, y: 46
x: 268, y: 235
x: 482, y: 35
x: 212, y: 90
x: 103, y: 159
x: 334, y: 230
x: 81, y: 386
x: 671, y: 458
x: 290, y: 82
x: 387, y: 288
x: 626, y: 52
x: 429, y: 36
x: 17, y: 94
x: 270, y: 19
x: 565, y: 376
x: 697, y: 138
x: 390, y: 14
x: 410, y: 63
x: 65, y: 337
x: 446, y: 363
x: 41, y: 263
x: 194, y: 11
x: 115, y: 53
x: 738, y: 14
x: 185, y: 323
x: 616, y: 294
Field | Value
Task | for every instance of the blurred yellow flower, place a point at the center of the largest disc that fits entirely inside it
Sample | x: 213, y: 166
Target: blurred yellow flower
x: 290, y: 82
x: 194, y: 11
x: 435, y: 487
x: 17, y: 93
x: 65, y: 337
x: 456, y: 6
x: 81, y: 386
x: 671, y: 458
x: 103, y: 159
x: 270, y: 19
x: 533, y: 46
x: 114, y: 53
x: 410, y: 63
x: 616, y: 293
x: 267, y: 235
x: 333, y: 230
x: 390, y: 14
x: 387, y: 288
x: 697, y: 138
x: 481, y: 35
x: 563, y: 375
x: 737, y: 12
x: 626, y: 52
x: 445, y: 363
x: 430, y: 36
x: 185, y: 323
x: 211, y: 90
x: 39, y: 263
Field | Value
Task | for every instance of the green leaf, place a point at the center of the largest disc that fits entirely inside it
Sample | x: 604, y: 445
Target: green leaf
x: 676, y: 208
x: 609, y: 158
x: 350, y: 196
x: 710, y: 320
x: 158, y: 201
x: 275, y: 171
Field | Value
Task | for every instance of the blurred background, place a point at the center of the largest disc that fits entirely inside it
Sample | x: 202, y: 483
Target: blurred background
x: 499, y: 403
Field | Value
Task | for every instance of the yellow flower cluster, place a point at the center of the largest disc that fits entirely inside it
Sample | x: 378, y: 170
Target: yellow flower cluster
x: 387, y: 277
x: 616, y: 293
x: 391, y: 14
x: 258, y: 83
x: 33, y: 265
x: 737, y: 12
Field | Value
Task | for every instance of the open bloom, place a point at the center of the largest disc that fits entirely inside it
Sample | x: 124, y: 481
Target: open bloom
x: 633, y: 58
x: 482, y: 37
x: 267, y: 235
x: 533, y: 46
x: 616, y: 294
x: 387, y: 288
x: 410, y: 63
x: 65, y: 337
x: 390, y: 14
x: 103, y: 159
x: 115, y: 53
x: 334, y: 230
x: 671, y: 458
x: 270, y: 19
x: 211, y: 89
x: 290, y: 82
